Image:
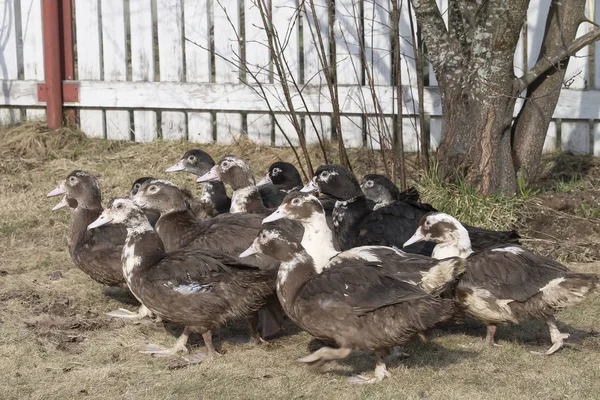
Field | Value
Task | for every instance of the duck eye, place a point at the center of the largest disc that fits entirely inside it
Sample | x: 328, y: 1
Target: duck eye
x: 427, y: 223
x: 119, y: 206
x: 192, y: 158
x: 324, y: 174
x: 72, y: 180
x: 296, y: 202
x: 225, y: 164
x: 370, y: 183
x: 136, y: 186
x: 153, y: 188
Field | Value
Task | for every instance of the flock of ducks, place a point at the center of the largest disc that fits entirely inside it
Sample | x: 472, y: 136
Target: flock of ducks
x: 359, y: 265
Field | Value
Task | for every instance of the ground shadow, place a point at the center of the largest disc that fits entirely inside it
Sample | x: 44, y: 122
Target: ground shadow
x: 121, y: 294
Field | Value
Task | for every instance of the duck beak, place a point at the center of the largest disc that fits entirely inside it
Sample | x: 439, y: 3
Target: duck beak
x: 62, y: 204
x: 212, y: 175
x: 278, y: 214
x: 417, y: 237
x: 177, y: 167
x: 253, y: 249
x: 310, y: 187
x: 60, y: 189
x: 103, y: 219
x: 265, y: 181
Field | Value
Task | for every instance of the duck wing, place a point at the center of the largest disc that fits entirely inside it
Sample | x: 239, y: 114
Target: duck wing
x: 359, y: 286
x: 482, y: 239
x: 99, y: 254
x: 511, y: 272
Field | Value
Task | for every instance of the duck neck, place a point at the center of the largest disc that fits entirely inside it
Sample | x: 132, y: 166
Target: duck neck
x: 214, y: 193
x: 455, y: 244
x: 81, y: 218
x: 173, y: 227
x: 292, y: 276
x: 143, y: 249
x: 346, y: 215
x: 318, y: 240
x: 248, y: 200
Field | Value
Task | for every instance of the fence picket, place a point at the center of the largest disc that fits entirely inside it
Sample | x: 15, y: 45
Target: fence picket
x: 575, y: 137
x: 114, y: 54
x: 258, y: 59
x: 142, y: 65
x: 33, y: 48
x: 89, y: 62
x: 313, y: 67
x: 9, y: 68
x: 197, y: 64
x: 227, y: 61
x: 349, y: 65
x: 170, y: 55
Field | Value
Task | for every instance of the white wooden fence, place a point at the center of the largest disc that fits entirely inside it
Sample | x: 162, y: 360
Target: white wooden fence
x: 171, y: 69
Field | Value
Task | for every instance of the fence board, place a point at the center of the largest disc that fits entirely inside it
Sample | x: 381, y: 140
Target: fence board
x: 349, y: 65
x: 575, y: 137
x: 227, y: 61
x: 114, y: 54
x: 320, y: 126
x: 197, y: 64
x: 170, y: 53
x: 286, y: 124
x: 551, y: 141
x: 597, y: 49
x: 89, y: 62
x: 9, y: 66
x: 577, y: 73
x: 258, y: 59
x: 142, y: 65
x: 596, y: 139
x: 33, y: 48
x: 285, y: 24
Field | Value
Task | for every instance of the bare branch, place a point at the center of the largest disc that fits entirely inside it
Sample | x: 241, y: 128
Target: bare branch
x: 544, y: 64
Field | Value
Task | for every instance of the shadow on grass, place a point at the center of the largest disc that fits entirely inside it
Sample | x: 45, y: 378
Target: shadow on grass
x: 120, y: 294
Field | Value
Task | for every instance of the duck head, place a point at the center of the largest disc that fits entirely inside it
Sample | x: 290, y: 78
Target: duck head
x: 80, y: 189
x: 282, y: 174
x: 379, y: 188
x: 442, y: 229
x: 335, y: 181
x: 122, y: 211
x: 273, y: 243
x: 136, y: 185
x: 161, y: 196
x: 297, y: 205
x: 194, y: 161
x: 231, y: 170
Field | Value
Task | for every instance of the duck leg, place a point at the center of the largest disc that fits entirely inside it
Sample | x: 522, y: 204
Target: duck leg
x: 325, y: 354
x: 208, y: 342
x: 555, y: 335
x: 381, y: 371
x: 179, y: 346
x: 126, y: 314
x: 255, y: 338
x: 489, y: 338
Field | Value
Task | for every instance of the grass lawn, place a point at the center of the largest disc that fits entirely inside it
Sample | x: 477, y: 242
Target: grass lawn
x: 57, y: 343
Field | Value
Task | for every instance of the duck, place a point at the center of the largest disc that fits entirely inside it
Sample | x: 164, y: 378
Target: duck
x: 282, y: 176
x: 177, y: 227
x: 352, y: 304
x: 381, y: 190
x: 200, y: 289
x: 135, y: 187
x: 506, y: 283
x: 214, y: 199
x: 357, y: 224
x: 247, y: 197
x: 432, y: 275
x: 97, y: 253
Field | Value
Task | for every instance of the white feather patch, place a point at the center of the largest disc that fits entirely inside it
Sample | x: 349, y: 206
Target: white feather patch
x: 510, y: 249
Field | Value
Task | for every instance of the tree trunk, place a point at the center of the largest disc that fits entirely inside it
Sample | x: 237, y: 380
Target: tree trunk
x: 473, y: 62
x: 531, y: 125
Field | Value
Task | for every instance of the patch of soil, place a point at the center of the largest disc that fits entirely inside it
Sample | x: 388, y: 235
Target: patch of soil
x: 564, y: 226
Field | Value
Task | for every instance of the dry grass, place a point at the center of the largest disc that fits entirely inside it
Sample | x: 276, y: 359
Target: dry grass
x: 55, y: 342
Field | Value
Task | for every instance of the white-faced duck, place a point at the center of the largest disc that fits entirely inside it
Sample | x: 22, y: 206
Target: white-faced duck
x: 506, y: 283
x: 433, y: 276
x: 199, y: 289
x: 352, y: 304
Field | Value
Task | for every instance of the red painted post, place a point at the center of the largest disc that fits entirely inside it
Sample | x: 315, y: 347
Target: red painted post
x: 52, y: 61
x: 68, y: 58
